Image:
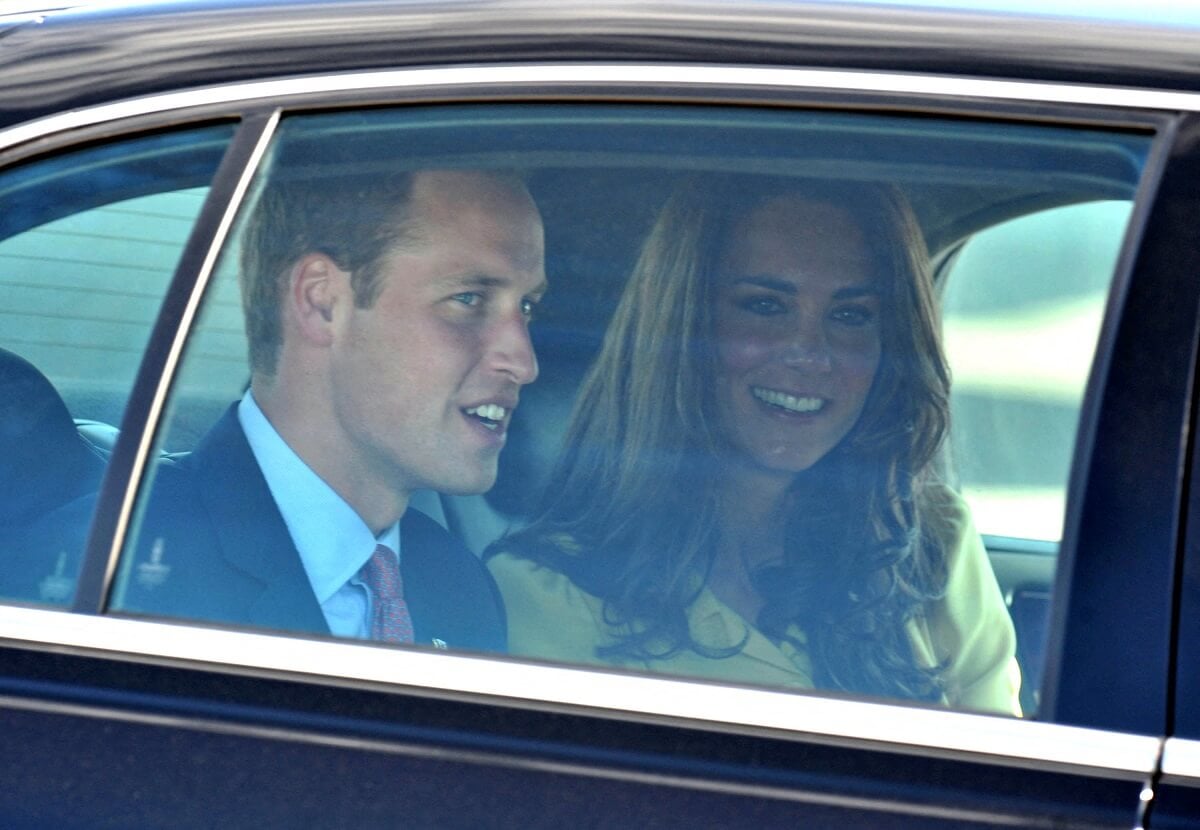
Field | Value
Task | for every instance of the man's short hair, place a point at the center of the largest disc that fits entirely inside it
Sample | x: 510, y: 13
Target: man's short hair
x: 355, y: 219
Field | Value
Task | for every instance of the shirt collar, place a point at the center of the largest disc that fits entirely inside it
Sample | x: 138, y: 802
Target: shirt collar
x: 332, y: 539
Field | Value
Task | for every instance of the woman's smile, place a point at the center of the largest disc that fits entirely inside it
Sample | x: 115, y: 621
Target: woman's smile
x: 787, y: 402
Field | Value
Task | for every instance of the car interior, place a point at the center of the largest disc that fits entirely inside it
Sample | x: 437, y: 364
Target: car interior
x: 89, y: 242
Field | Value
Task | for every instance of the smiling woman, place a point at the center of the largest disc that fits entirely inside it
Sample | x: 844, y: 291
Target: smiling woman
x: 776, y: 351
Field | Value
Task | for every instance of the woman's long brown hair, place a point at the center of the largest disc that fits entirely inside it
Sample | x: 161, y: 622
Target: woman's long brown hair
x: 632, y: 510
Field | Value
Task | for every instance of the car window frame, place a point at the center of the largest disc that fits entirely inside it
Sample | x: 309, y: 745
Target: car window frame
x: 259, y: 105
x: 1180, y: 768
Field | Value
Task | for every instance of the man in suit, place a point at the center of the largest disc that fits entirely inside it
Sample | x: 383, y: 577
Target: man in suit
x: 387, y: 318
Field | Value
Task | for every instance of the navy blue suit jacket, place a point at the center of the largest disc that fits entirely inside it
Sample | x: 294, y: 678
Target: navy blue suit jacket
x: 213, y: 546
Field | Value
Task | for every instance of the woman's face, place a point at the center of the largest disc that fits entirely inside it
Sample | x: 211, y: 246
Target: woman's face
x: 797, y: 332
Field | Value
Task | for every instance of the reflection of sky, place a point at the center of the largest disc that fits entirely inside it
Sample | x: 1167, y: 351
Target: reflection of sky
x: 1166, y: 12
x: 1024, y: 300
x: 1045, y: 354
x: 1023, y: 305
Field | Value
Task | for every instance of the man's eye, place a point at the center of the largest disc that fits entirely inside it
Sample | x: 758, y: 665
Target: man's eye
x: 762, y: 305
x: 468, y: 298
x: 528, y: 307
x: 854, y: 315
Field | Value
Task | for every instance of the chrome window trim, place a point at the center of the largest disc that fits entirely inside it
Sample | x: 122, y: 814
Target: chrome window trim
x: 1181, y: 760
x: 555, y: 77
x: 882, y: 726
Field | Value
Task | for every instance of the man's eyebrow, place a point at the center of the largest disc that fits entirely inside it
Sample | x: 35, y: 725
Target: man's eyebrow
x: 489, y: 281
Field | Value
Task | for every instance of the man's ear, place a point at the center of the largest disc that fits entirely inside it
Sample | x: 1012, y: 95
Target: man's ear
x: 317, y: 290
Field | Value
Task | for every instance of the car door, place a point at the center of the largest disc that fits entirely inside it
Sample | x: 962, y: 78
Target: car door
x: 136, y: 719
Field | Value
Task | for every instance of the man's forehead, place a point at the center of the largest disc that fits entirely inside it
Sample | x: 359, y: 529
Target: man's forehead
x: 476, y: 214
x: 435, y: 192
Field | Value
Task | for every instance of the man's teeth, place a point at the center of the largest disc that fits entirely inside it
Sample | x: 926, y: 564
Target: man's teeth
x: 489, y: 411
x: 786, y: 401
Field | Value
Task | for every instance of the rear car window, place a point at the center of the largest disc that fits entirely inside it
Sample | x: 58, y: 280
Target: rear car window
x: 732, y: 440
x: 88, y: 245
x: 1023, y: 301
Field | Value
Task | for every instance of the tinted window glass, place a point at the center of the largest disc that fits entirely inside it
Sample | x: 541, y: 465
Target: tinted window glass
x: 1023, y: 302
x: 88, y: 243
x: 728, y: 455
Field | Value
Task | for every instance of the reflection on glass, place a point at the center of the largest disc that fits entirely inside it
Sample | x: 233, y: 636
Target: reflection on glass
x: 717, y: 449
x: 1023, y: 303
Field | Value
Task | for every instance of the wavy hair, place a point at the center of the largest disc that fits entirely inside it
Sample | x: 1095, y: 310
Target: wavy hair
x: 631, y: 513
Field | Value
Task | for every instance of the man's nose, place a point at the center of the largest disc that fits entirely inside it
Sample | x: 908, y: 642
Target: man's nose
x: 808, y: 348
x: 512, y: 350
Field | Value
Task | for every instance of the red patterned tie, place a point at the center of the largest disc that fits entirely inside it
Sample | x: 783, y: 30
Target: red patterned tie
x: 390, y: 621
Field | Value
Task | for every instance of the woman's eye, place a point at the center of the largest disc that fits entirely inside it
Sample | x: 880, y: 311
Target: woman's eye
x: 854, y: 315
x: 763, y: 305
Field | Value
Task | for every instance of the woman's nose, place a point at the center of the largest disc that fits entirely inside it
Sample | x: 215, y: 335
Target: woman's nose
x: 808, y: 349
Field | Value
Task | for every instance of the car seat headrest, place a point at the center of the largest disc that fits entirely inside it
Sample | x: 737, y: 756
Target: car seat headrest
x: 44, y: 463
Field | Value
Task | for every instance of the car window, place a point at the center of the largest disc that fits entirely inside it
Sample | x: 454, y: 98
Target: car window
x: 88, y: 244
x: 1023, y: 302
x: 675, y: 376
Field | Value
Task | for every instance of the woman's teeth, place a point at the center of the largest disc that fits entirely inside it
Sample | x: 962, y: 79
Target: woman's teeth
x: 786, y: 401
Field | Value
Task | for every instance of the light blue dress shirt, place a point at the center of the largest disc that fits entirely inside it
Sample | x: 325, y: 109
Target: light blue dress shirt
x: 333, y: 541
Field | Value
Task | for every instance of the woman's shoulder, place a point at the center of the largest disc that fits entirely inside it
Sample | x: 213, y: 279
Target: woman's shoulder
x: 968, y: 629
x: 946, y: 514
x: 548, y: 615
x: 936, y: 495
x: 516, y: 569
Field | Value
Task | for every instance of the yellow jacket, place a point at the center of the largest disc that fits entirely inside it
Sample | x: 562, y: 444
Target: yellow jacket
x: 550, y: 618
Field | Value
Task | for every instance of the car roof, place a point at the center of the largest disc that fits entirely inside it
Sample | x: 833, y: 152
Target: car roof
x: 107, y: 51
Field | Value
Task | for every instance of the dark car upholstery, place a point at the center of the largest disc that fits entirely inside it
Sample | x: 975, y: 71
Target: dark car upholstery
x: 49, y: 474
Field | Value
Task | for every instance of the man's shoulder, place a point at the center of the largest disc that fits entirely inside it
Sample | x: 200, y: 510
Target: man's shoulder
x: 220, y: 471
x: 205, y: 512
x: 453, y: 597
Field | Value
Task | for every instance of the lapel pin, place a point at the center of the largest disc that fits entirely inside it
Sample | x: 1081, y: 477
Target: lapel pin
x: 153, y: 573
x: 57, y: 587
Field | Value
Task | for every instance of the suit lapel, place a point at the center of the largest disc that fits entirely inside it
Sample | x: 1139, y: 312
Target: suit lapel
x: 251, y: 532
x: 423, y: 542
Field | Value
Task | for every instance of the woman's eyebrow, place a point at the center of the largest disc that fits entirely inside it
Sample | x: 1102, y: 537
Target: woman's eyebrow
x: 849, y: 292
x: 852, y: 292
x: 771, y: 283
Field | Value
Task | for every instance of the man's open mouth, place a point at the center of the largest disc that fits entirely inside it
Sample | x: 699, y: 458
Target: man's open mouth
x: 489, y: 414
